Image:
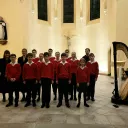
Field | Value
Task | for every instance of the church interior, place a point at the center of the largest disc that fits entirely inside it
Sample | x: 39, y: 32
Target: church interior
x: 74, y: 25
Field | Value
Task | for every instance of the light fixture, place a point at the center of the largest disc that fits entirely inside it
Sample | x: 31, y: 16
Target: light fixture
x: 55, y: 9
x: 105, y: 7
x: 105, y: 11
x: 33, y: 9
x: 81, y: 18
x: 55, y: 18
x: 81, y: 9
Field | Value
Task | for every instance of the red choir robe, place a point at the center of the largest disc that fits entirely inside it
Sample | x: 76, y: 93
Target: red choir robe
x: 13, y: 71
x: 35, y: 60
x: 93, y: 68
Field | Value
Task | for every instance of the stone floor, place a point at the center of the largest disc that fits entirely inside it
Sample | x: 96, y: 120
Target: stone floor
x: 100, y: 114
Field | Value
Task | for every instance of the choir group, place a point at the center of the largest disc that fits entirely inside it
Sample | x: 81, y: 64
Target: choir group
x: 32, y: 75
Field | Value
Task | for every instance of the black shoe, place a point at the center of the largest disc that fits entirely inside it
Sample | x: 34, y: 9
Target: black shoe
x: 9, y: 104
x: 78, y: 105
x: 67, y: 105
x: 59, y: 105
x: 47, y: 106
x: 71, y: 98
x: 23, y: 99
x: 38, y: 99
x: 88, y: 99
x: 86, y: 105
x: 34, y: 104
x: 43, y: 105
x: 16, y: 105
x: 27, y: 104
x: 92, y: 99
x: 75, y: 98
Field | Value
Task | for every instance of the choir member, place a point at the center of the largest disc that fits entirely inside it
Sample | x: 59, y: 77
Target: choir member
x: 74, y: 65
x: 47, y: 77
x: 30, y: 78
x: 94, y: 71
x: 83, y: 76
x: 3, y: 81
x: 51, y: 58
x: 41, y: 56
x: 63, y: 79
x: 22, y: 60
x: 67, y: 55
x: 34, y: 59
x: 86, y: 56
x: 13, y: 72
x: 55, y: 63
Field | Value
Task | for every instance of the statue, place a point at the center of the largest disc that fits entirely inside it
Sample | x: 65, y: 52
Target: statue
x: 3, y: 31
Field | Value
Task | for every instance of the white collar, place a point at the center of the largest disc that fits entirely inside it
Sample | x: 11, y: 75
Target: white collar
x: 40, y: 61
x: 46, y: 63
x: 13, y: 63
x: 30, y: 63
x: 92, y: 62
x: 57, y: 60
x: 74, y: 59
x: 64, y: 62
x: 82, y: 67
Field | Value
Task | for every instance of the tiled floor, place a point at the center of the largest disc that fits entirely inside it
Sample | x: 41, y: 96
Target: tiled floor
x: 101, y: 113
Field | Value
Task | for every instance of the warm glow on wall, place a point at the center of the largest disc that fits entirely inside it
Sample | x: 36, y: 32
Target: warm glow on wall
x: 103, y: 67
x: 41, y: 35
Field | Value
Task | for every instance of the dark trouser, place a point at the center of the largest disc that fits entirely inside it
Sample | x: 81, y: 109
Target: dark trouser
x: 82, y: 89
x: 22, y: 87
x: 46, y: 90
x: 13, y: 87
x: 3, y: 86
x: 63, y: 87
x: 4, y: 97
x: 23, y: 91
x: 54, y: 86
x: 73, y: 85
x: 91, y: 87
x: 31, y: 90
x: 38, y: 89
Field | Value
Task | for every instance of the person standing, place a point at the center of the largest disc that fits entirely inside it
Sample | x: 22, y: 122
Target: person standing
x: 83, y: 77
x: 13, y: 72
x: 34, y: 59
x: 41, y: 56
x: 3, y: 80
x: 22, y: 60
x: 63, y: 79
x: 86, y: 56
x: 30, y: 78
x: 55, y: 63
x: 74, y: 65
x: 51, y: 58
x: 67, y: 55
x: 47, y: 77
x: 94, y: 72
